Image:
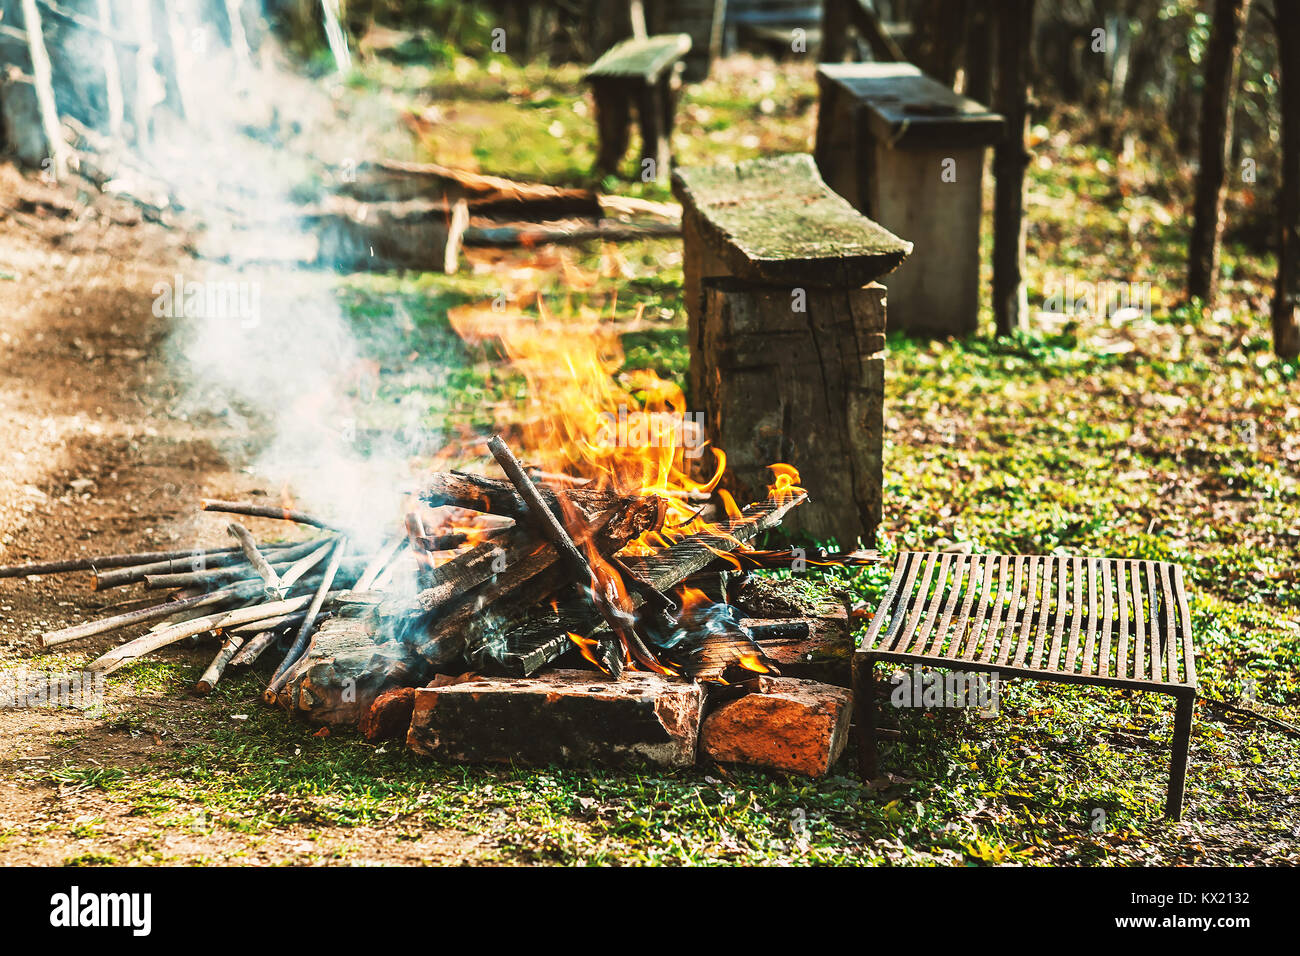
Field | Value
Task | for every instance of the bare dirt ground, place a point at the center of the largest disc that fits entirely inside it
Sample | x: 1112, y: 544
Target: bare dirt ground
x: 95, y: 461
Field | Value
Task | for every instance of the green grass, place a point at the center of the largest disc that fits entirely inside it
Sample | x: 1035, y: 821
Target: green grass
x: 1173, y: 436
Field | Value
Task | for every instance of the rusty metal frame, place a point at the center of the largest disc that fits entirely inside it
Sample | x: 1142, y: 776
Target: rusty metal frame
x: 1106, y: 622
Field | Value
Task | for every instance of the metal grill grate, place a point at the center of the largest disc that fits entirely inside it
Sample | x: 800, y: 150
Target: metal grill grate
x: 1102, y: 621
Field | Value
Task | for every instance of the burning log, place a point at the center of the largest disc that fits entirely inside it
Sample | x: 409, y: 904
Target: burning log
x: 607, y: 593
x: 463, y: 573
x: 493, y: 496
x: 474, y: 626
x: 709, y: 644
x: 528, y: 645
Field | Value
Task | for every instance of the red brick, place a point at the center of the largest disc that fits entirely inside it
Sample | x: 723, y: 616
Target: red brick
x: 390, y: 715
x: 563, y: 717
x: 799, y: 726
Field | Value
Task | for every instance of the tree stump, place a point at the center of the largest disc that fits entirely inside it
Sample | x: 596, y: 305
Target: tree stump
x: 786, y: 334
x: 819, y: 368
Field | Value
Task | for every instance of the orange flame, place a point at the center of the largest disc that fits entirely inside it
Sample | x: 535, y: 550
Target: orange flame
x: 585, y: 645
x: 583, y: 414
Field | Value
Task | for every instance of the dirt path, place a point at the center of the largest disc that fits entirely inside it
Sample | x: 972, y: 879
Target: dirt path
x: 95, y: 461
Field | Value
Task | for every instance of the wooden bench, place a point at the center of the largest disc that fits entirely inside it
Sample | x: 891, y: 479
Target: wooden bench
x: 645, y: 72
x: 771, y: 23
x: 786, y: 328
x: 1074, y: 620
x: 909, y: 152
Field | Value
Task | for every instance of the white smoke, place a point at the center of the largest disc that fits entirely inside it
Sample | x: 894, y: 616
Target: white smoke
x: 276, y: 360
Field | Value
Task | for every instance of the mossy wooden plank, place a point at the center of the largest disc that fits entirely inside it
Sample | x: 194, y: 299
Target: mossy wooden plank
x: 905, y: 108
x: 646, y: 58
x: 775, y: 220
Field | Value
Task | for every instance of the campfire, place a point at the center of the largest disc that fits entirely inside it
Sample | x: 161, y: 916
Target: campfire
x: 616, y: 551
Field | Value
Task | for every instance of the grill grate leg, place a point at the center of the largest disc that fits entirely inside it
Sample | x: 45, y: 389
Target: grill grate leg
x: 864, y: 693
x: 1178, y: 761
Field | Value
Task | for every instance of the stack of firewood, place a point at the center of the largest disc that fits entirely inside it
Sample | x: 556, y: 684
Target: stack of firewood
x: 514, y: 575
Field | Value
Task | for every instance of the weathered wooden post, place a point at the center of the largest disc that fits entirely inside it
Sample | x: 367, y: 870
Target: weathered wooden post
x: 909, y: 152
x: 786, y: 334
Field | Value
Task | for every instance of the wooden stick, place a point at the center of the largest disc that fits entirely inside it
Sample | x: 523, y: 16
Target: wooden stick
x: 253, y: 648
x: 378, y: 563
x: 299, y: 646
x: 148, y: 643
x: 157, y: 582
x: 144, y: 615
x: 462, y: 573
x: 274, y: 623
x: 543, y: 518
x: 104, y: 561
x: 274, y: 589
x: 264, y: 511
x: 304, y: 565
x: 229, y: 646
x: 183, y: 565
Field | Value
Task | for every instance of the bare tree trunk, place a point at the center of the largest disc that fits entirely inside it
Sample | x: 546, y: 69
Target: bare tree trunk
x: 835, y: 31
x: 1286, y: 299
x: 978, y: 59
x: 1221, y: 61
x: 112, y: 75
x: 44, y: 77
x: 140, y: 18
x: 937, y: 30
x: 1011, y: 99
